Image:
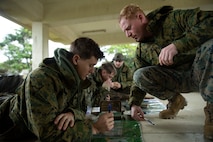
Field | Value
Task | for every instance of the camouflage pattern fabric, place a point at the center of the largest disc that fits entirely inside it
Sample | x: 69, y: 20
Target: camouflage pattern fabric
x: 48, y: 91
x: 95, y: 93
x: 9, y: 83
x: 202, y: 71
x: 190, y: 30
x: 124, y: 77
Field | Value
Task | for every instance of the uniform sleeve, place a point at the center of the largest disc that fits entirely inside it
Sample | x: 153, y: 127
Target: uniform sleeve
x: 43, y: 107
x: 78, y: 106
x: 136, y: 96
x: 128, y: 77
x: 95, y: 93
x: 198, y: 26
x: 99, y: 95
x: 146, y: 55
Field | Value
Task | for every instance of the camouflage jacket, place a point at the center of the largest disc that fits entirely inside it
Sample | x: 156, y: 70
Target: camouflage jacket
x: 53, y: 88
x: 95, y: 93
x: 123, y: 76
x: 186, y: 29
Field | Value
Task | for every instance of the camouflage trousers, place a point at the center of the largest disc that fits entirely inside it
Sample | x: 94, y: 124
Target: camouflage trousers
x: 164, y: 83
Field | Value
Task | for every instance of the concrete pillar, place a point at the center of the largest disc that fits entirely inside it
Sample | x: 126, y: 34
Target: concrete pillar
x: 40, y: 43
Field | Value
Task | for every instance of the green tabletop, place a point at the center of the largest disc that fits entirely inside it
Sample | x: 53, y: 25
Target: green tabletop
x: 123, y: 131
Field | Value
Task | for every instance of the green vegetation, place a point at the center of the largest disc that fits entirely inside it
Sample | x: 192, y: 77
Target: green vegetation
x: 18, y: 49
x: 128, y: 50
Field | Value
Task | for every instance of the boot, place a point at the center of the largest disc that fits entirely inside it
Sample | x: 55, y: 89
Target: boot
x: 175, y: 104
x: 208, y: 127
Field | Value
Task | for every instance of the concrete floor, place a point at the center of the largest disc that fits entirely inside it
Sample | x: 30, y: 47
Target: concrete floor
x: 186, y: 127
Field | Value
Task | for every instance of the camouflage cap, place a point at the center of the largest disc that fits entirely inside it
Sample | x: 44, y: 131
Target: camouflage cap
x: 118, y: 57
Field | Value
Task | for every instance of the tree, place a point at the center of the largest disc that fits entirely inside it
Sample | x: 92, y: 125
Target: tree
x: 128, y: 50
x: 18, y: 49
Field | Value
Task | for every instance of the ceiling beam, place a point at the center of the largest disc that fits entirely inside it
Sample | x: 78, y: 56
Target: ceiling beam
x: 29, y: 10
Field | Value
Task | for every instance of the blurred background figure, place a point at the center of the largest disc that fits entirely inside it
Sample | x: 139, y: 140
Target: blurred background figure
x: 101, y: 82
x: 8, y: 84
x: 122, y: 81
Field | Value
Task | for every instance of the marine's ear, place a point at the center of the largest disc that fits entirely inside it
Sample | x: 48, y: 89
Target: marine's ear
x: 140, y: 16
x: 75, y: 59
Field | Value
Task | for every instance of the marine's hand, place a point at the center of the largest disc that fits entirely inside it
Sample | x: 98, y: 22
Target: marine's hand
x: 116, y: 85
x: 107, y: 84
x: 104, y: 123
x: 64, y: 120
x: 107, y: 97
x: 167, y: 54
x: 137, y: 113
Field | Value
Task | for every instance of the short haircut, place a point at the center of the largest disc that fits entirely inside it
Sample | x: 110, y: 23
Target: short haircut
x: 86, y: 48
x: 108, y: 66
x: 129, y: 11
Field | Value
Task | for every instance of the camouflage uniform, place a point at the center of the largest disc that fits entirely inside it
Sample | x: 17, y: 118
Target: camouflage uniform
x: 95, y: 93
x: 191, y: 31
x: 53, y: 88
x: 124, y: 77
